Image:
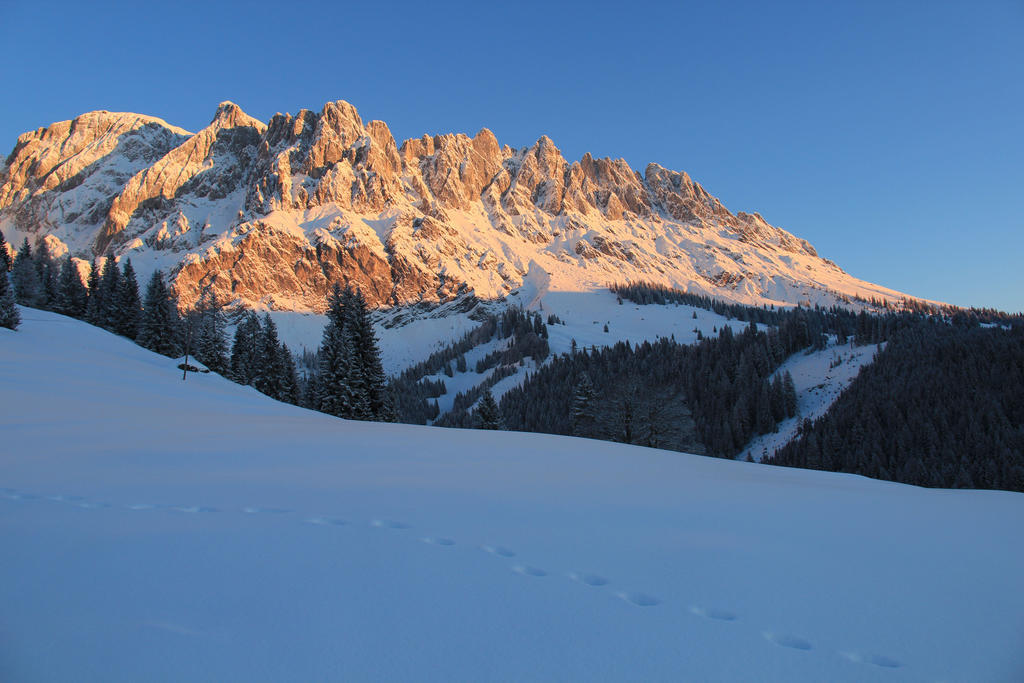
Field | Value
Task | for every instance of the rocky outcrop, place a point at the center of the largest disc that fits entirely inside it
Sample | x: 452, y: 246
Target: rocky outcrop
x: 275, y: 213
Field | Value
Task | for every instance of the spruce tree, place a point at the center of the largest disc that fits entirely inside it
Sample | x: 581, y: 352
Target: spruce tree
x: 244, y: 363
x: 268, y: 376
x: 94, y: 305
x: 9, y: 316
x: 71, y: 298
x: 128, y: 311
x: 332, y: 393
x: 789, y: 393
x: 488, y: 416
x: 159, y: 328
x: 583, y: 407
x: 289, y: 377
x: 367, y: 359
x: 28, y: 290
x: 210, y: 339
x: 46, y: 271
x: 110, y: 287
x: 5, y: 256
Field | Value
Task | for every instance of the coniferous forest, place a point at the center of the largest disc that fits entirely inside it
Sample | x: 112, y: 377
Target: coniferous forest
x: 942, y: 405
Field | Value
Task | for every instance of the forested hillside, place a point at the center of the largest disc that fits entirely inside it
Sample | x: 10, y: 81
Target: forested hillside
x: 942, y: 405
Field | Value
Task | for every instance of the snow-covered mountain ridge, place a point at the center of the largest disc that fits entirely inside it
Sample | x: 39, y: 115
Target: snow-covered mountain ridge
x: 272, y: 214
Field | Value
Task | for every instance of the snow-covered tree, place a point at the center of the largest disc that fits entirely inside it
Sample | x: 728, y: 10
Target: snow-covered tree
x: 72, y: 297
x: 332, y: 394
x: 127, y: 311
x: 28, y: 290
x: 210, y: 343
x: 5, y: 255
x: 244, y: 363
x: 159, y: 329
x: 9, y: 316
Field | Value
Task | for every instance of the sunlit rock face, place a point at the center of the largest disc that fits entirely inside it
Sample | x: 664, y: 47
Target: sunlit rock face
x: 274, y: 214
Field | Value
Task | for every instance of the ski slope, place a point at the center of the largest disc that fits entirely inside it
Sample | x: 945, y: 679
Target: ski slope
x: 160, y: 530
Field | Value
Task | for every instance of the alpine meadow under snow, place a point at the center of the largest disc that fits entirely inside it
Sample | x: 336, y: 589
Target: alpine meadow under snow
x: 155, y: 529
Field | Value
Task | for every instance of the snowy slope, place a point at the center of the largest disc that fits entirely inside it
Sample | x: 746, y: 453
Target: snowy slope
x: 819, y: 378
x: 155, y: 530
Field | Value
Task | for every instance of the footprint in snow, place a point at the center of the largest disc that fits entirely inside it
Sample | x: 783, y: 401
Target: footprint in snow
x: 325, y: 521
x: 594, y: 580
x: 786, y: 640
x: 498, y: 550
x: 389, y: 524
x: 64, y: 499
x: 875, y: 660
x: 434, y: 540
x: 639, y: 599
x: 17, y: 495
x: 713, y: 613
x: 527, y: 570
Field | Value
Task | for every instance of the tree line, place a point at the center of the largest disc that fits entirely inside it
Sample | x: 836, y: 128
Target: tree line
x: 348, y: 380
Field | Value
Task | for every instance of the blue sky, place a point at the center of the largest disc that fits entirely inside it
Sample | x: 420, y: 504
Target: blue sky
x: 889, y: 135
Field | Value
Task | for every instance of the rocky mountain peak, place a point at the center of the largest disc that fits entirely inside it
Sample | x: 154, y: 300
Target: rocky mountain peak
x: 273, y: 214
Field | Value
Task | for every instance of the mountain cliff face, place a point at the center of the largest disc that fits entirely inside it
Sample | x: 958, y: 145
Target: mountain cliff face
x: 273, y: 214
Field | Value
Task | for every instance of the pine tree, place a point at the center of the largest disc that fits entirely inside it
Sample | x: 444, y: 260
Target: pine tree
x: 367, y: 359
x: 268, y: 376
x: 5, y: 256
x: 789, y: 390
x: 72, y: 297
x: 210, y: 338
x: 94, y: 305
x: 332, y: 393
x: 583, y: 407
x: 46, y: 271
x: 128, y: 310
x: 289, y: 377
x: 110, y: 287
x: 28, y: 290
x: 244, y: 363
x: 487, y: 414
x: 159, y: 329
x: 9, y: 315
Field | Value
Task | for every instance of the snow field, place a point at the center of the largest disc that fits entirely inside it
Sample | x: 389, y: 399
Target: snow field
x: 156, y: 529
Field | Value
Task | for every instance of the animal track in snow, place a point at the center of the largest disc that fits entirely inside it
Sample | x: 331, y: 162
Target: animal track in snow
x: 434, y: 540
x: 18, y: 495
x: 639, y: 599
x: 594, y: 580
x: 786, y: 640
x: 874, y: 660
x: 713, y: 613
x: 389, y: 524
x: 527, y: 570
x: 636, y: 598
x: 325, y: 521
